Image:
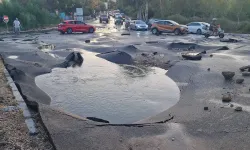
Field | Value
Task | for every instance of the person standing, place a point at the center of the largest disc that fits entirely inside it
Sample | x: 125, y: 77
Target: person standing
x: 17, y: 26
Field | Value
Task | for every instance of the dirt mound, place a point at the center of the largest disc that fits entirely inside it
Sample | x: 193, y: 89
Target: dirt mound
x: 181, y: 45
x: 230, y: 40
x: 118, y: 57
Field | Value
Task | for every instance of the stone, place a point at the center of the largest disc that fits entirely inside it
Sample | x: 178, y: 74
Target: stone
x: 205, y: 108
x: 231, y: 105
x: 228, y: 75
x: 238, y: 109
x: 246, y: 74
x: 191, y: 56
x: 244, y: 68
x: 208, y: 69
x: 173, y: 139
x: 227, y: 98
x: 144, y: 54
x: 87, y: 41
x: 204, y: 52
x: 155, y: 53
x: 239, y: 81
x: 224, y: 48
x: 211, y: 55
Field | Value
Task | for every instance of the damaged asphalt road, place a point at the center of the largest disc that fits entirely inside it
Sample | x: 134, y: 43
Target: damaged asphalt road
x: 188, y: 125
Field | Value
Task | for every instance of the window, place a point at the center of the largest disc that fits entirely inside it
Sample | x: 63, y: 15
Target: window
x: 160, y: 22
x: 71, y: 22
x: 79, y: 22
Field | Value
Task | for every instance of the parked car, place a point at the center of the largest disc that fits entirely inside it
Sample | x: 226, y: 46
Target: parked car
x: 197, y: 27
x: 104, y: 18
x: 71, y: 26
x: 138, y: 25
x: 151, y: 21
x: 168, y: 26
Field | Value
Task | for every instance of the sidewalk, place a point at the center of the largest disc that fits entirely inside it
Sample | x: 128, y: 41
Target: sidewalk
x: 14, y: 133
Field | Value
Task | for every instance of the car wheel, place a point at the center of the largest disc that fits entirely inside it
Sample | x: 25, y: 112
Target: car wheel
x: 199, y: 32
x: 91, y: 30
x: 177, y: 31
x: 154, y: 31
x: 69, y: 31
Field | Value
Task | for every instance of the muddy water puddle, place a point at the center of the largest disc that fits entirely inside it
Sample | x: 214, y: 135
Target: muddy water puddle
x: 102, y: 89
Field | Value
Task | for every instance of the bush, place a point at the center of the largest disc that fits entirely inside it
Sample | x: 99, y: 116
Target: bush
x: 30, y: 14
x: 178, y: 18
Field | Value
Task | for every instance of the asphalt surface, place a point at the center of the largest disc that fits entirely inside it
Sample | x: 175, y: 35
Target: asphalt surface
x: 184, y: 126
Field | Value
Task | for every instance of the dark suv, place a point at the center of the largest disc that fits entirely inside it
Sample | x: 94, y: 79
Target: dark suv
x: 104, y: 18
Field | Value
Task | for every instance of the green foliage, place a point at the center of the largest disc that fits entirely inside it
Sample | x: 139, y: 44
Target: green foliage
x: 30, y: 14
x: 234, y: 15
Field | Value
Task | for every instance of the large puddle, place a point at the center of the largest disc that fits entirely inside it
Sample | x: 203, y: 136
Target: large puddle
x: 117, y: 93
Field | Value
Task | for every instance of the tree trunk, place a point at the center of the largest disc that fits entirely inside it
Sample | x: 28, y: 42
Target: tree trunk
x: 146, y: 11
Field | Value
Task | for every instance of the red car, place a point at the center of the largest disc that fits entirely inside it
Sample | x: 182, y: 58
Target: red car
x: 71, y: 26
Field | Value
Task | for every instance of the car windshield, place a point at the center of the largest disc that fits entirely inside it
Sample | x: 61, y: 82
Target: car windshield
x: 139, y: 22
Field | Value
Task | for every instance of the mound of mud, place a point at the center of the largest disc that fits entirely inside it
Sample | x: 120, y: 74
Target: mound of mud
x: 224, y: 48
x: 129, y: 49
x: 180, y: 45
x: 229, y: 40
x: 117, y: 57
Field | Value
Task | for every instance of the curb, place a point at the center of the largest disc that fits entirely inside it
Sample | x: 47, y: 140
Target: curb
x: 30, y: 31
x: 21, y: 104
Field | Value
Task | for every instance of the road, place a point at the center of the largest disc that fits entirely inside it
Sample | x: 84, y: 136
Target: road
x: 186, y: 125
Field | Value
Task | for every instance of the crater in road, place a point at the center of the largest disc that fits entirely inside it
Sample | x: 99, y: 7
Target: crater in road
x: 117, y: 93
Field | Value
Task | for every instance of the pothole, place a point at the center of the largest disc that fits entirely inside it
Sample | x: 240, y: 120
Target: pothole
x: 112, y: 92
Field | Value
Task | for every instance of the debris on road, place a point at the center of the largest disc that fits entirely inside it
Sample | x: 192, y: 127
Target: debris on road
x: 191, y: 56
x: 238, y: 109
x: 228, y: 75
x: 224, y: 48
x: 208, y: 69
x: 151, y: 42
x: 227, y: 98
x: 229, y: 40
x: 245, y: 74
x: 244, y: 68
x: 231, y: 105
x: 87, y: 41
x: 125, y: 34
x: 155, y: 53
x: 239, y: 81
x: 205, y: 108
x: 211, y: 55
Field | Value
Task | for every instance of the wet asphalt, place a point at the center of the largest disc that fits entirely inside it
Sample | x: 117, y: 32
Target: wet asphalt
x: 186, y: 125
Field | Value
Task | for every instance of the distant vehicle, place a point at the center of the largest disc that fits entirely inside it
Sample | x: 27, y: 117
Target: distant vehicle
x: 197, y: 27
x: 118, y: 20
x: 151, y: 21
x: 168, y: 26
x: 71, y: 26
x: 117, y: 15
x: 138, y: 25
x: 116, y: 12
x: 216, y: 32
x: 104, y: 18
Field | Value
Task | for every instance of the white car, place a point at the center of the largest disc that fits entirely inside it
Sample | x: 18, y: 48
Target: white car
x: 197, y: 27
x: 138, y: 25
